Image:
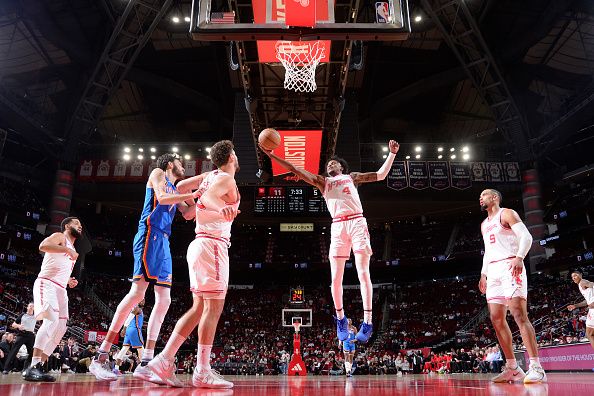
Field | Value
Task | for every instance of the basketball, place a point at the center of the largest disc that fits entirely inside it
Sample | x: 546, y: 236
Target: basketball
x: 269, y: 139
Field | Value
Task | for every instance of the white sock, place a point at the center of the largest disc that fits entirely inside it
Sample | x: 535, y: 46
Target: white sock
x: 173, y: 345
x: 35, y: 360
x: 347, y: 366
x: 534, y: 362
x: 367, y: 316
x: 203, y: 357
x: 340, y: 314
x: 105, y: 346
x: 148, y: 355
x: 117, y: 366
x: 511, y: 363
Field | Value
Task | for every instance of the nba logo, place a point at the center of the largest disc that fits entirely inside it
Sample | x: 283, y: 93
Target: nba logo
x: 382, y: 12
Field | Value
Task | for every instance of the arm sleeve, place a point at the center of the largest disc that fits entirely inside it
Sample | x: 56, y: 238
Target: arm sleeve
x: 128, y: 320
x: 525, y: 239
x: 383, y: 171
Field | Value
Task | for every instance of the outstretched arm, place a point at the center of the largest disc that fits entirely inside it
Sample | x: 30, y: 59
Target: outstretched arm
x: 368, y: 177
x: 191, y: 183
x: 308, y: 177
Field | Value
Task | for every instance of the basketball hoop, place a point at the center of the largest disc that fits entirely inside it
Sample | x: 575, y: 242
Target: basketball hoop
x: 296, y: 325
x: 300, y: 60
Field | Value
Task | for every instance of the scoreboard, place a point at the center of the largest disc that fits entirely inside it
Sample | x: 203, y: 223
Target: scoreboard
x: 289, y: 201
x: 296, y: 295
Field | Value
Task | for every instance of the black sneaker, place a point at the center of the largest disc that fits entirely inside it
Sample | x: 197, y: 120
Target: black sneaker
x: 36, y: 374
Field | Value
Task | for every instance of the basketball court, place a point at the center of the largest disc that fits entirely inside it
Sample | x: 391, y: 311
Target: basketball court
x: 430, y: 385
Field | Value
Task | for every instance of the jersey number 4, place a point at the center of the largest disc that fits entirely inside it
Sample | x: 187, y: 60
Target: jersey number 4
x: 346, y: 190
x: 492, y: 238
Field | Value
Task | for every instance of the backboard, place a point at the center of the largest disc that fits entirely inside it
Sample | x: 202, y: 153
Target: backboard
x: 253, y: 20
x: 303, y: 316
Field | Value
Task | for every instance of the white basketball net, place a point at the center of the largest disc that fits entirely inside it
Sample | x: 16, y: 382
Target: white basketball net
x: 300, y: 60
x: 297, y: 326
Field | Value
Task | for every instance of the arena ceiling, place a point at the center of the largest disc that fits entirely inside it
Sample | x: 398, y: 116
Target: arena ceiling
x: 183, y: 90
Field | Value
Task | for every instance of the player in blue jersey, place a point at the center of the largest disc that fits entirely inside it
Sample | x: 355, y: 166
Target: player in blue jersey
x: 152, y: 257
x: 349, y: 348
x: 132, y: 333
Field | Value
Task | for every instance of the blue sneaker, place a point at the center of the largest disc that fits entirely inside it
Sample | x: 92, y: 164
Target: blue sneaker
x: 342, y: 328
x: 365, y: 331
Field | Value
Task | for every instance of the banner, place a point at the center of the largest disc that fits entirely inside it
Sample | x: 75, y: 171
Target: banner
x: 300, y: 148
x: 134, y: 171
x: 512, y: 171
x: 439, y: 177
x: 397, y: 179
x: 267, y: 11
x: 418, y: 175
x: 460, y: 175
x: 296, y: 227
x: 569, y: 357
x: 97, y: 337
x: 479, y: 172
x: 494, y: 172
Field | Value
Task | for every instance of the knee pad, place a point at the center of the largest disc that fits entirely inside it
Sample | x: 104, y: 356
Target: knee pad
x: 60, y: 330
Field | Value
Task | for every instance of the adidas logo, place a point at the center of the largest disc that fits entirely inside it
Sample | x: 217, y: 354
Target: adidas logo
x: 297, y: 367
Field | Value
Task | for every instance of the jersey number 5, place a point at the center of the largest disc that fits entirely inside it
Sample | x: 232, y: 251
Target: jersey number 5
x: 346, y: 190
x: 492, y: 238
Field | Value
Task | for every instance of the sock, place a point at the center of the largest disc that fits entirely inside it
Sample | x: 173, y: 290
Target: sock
x: 105, y: 346
x: 347, y: 366
x: 340, y: 313
x: 173, y: 345
x: 117, y: 366
x: 367, y: 316
x: 511, y: 363
x: 148, y: 355
x: 203, y: 357
x: 534, y: 362
x: 35, y: 360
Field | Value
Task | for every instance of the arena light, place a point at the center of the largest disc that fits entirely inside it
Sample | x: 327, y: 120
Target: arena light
x: 440, y: 149
x: 153, y: 157
x: 175, y: 19
x: 465, y: 149
x: 126, y: 149
x: 153, y: 150
x: 208, y: 149
x: 187, y: 19
x: 453, y: 156
x: 208, y: 156
x: 140, y: 156
x: 452, y: 150
x: 418, y: 149
x: 418, y: 156
x: 439, y: 156
x: 385, y: 149
x: 140, y: 149
x: 174, y: 149
x: 187, y: 157
x: 408, y: 157
x: 126, y: 157
x: 466, y: 157
x: 418, y: 18
x: 384, y: 156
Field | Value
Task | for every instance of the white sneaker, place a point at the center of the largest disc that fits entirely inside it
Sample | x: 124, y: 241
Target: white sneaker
x: 99, y: 368
x: 165, y: 370
x: 210, y: 379
x: 509, y: 375
x: 145, y: 373
x: 534, y: 375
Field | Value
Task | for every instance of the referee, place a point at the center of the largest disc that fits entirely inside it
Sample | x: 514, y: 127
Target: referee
x: 25, y: 327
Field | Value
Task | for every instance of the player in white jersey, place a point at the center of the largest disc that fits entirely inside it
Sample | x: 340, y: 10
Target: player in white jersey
x: 348, y: 231
x: 208, y: 265
x: 49, y: 294
x: 587, y: 289
x: 503, y: 280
